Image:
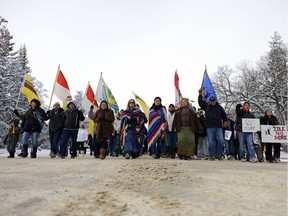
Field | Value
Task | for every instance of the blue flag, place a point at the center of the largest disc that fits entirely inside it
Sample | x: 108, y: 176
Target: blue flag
x: 208, y: 88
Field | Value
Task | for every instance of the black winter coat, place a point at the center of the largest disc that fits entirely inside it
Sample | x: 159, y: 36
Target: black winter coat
x: 215, y: 116
x: 71, y: 118
x: 240, y: 115
x: 269, y: 121
x: 56, y: 119
x: 33, y: 120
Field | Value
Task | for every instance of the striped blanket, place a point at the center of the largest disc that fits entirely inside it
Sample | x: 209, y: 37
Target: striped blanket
x: 157, y: 124
x: 126, y: 122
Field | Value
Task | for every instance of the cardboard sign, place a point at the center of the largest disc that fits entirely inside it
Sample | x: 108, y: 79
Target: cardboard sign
x: 250, y: 125
x: 227, y: 135
x: 274, y: 133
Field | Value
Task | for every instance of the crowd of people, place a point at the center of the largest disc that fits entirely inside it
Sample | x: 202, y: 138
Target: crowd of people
x: 184, y: 133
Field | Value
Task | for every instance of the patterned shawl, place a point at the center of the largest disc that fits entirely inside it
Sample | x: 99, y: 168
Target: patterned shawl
x: 157, y: 124
x: 126, y: 122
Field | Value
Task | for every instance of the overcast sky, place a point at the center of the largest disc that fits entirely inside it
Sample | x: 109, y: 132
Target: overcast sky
x: 138, y: 44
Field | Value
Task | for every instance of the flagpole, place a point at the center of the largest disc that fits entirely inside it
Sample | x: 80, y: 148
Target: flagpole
x: 204, y: 74
x: 54, y: 87
x: 22, y: 85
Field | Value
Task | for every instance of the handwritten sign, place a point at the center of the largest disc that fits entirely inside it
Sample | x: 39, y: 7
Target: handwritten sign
x: 250, y: 125
x: 274, y: 133
x: 227, y: 134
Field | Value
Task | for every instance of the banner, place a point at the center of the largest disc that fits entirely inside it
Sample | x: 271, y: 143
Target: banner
x: 274, y: 133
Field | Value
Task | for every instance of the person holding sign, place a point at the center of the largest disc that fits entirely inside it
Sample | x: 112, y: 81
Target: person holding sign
x: 243, y: 112
x: 270, y: 119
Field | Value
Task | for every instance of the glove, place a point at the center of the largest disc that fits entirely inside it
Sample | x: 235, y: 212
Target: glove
x: 91, y: 107
x: 224, y: 125
x: 15, y: 111
x: 238, y: 106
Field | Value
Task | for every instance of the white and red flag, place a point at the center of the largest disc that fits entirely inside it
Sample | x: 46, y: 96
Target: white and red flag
x: 178, y: 95
x: 89, y: 99
x: 61, y: 88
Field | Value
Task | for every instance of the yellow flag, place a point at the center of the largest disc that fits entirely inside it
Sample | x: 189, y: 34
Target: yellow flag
x: 29, y: 90
x: 143, y: 105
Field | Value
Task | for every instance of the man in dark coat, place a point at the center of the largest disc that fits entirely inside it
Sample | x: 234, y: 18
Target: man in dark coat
x: 55, y: 127
x: 71, y: 119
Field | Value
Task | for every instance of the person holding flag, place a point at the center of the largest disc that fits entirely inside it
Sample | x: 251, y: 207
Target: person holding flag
x: 71, y: 119
x: 32, y: 123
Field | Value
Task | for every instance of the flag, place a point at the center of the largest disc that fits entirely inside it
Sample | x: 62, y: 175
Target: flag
x: 143, y: 105
x: 104, y: 93
x: 29, y: 90
x: 208, y: 87
x: 178, y: 95
x: 61, y: 87
x: 87, y: 101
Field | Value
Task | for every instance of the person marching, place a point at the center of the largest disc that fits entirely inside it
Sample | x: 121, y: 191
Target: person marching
x: 157, y: 126
x: 32, y: 123
x: 243, y: 111
x: 270, y: 119
x: 186, y: 124
x: 131, y: 123
x: 12, y: 137
x: 71, y: 119
x: 103, y: 118
x: 55, y: 128
x: 171, y: 134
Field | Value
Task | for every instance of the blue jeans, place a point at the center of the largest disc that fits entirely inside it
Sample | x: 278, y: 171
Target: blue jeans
x: 247, y: 138
x: 229, y: 147
x: 34, y: 136
x: 67, y: 134
x: 216, y: 140
x: 54, y: 139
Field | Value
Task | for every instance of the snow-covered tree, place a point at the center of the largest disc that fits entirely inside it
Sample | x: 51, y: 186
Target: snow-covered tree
x: 13, y: 67
x: 263, y: 85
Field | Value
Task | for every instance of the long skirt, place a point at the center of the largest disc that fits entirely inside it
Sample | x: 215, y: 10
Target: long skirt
x: 186, y: 142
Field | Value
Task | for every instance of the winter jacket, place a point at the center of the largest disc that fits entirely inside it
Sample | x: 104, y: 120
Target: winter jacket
x: 71, y: 119
x: 240, y: 115
x: 82, y: 135
x: 104, y: 123
x: 203, y: 132
x: 56, y: 119
x: 215, y: 116
x: 194, y: 121
x: 33, y: 119
x: 265, y: 120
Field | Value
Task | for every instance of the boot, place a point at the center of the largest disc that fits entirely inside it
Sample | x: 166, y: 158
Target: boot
x: 33, y: 152
x: 102, y: 153
x: 12, y: 155
x: 24, y: 152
